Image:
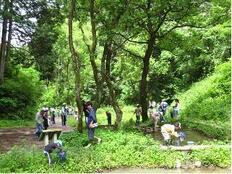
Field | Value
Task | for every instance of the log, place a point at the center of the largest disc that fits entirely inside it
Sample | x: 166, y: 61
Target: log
x: 192, y: 147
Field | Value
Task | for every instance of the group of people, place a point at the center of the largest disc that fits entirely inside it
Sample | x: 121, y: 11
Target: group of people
x: 157, y: 114
x: 47, y: 117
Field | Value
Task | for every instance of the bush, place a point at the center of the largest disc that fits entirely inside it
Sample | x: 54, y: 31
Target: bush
x: 206, y: 105
x: 19, y: 94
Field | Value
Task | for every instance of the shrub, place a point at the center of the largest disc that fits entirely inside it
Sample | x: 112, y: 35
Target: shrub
x: 206, y: 105
x: 19, y: 94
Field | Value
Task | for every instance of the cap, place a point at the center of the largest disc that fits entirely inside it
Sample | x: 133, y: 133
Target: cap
x: 59, y: 142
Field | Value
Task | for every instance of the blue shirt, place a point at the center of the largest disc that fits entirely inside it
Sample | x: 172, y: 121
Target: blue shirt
x: 91, y: 117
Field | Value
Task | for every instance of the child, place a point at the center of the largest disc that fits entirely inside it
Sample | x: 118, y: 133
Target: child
x: 50, y: 147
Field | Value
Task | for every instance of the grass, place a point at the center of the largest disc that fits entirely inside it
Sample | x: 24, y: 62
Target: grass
x: 16, y: 123
x: 118, y: 149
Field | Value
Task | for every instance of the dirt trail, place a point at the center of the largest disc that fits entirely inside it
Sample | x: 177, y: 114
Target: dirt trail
x: 23, y: 136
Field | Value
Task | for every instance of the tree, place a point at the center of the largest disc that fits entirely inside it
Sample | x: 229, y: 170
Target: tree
x: 76, y: 63
x: 3, y: 51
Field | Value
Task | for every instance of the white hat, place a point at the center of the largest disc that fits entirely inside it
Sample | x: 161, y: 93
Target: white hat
x: 59, y: 142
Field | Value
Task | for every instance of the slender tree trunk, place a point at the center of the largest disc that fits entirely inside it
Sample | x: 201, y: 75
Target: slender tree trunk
x: 92, y: 53
x: 76, y: 64
x: 3, y: 41
x: 106, y: 63
x: 9, y: 30
x: 67, y: 81
x: 143, y: 82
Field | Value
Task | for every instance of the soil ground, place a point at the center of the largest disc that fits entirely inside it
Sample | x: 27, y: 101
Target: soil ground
x: 19, y: 136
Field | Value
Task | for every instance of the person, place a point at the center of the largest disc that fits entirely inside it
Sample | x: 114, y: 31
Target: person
x: 108, y: 115
x: 138, y: 113
x: 155, y: 116
x: 45, y: 118
x: 91, y: 121
x: 168, y: 131
x: 39, y: 122
x: 48, y: 149
x: 162, y: 109
x: 152, y: 103
x: 176, y: 109
x: 64, y: 114
x: 53, y: 114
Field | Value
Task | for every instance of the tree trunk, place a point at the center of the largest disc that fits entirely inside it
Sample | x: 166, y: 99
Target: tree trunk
x: 3, y: 42
x: 92, y: 52
x: 143, y: 82
x: 107, y: 59
x: 76, y: 65
x: 9, y: 30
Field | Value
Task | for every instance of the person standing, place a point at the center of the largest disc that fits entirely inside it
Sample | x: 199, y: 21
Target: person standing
x: 108, y: 115
x: 39, y: 122
x: 91, y: 121
x: 138, y: 113
x: 64, y: 114
x: 53, y: 115
x: 176, y: 109
x: 45, y: 118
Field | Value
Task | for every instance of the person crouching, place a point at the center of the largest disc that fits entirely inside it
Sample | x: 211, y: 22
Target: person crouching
x: 48, y: 149
x: 169, y: 130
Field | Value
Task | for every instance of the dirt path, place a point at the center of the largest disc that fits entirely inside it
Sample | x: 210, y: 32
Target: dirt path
x: 23, y: 136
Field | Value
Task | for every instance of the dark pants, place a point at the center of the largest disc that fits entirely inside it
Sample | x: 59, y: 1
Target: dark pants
x: 39, y: 129
x: 109, y: 120
x: 91, y: 134
x: 137, y: 120
x: 45, y: 123
x: 53, y: 119
x: 63, y: 119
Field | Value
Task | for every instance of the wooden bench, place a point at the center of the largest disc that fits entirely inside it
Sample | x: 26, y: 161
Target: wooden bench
x: 50, y: 134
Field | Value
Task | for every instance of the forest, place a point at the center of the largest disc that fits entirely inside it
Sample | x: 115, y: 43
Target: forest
x: 118, y: 54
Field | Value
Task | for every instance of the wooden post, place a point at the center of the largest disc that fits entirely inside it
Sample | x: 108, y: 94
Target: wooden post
x: 54, y: 137
x: 46, y: 139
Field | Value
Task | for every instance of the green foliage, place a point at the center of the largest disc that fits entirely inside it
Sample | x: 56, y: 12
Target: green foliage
x: 20, y: 93
x: 206, y: 105
x: 16, y: 123
x: 214, y: 156
x: 117, y: 149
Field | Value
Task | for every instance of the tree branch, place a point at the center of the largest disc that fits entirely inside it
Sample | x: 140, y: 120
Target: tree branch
x: 179, y: 26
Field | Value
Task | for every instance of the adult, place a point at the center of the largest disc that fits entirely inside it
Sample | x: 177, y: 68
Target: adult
x: 108, y: 115
x: 162, y: 108
x: 155, y: 116
x: 50, y: 147
x: 39, y: 122
x: 53, y: 115
x: 64, y: 114
x: 176, y: 109
x: 138, y: 113
x: 168, y: 131
x: 91, y: 121
x: 45, y: 118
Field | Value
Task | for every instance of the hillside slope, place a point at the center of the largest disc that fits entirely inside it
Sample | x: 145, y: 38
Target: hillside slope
x: 206, y: 106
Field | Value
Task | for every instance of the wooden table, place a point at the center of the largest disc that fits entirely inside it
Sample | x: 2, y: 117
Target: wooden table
x: 50, y: 134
